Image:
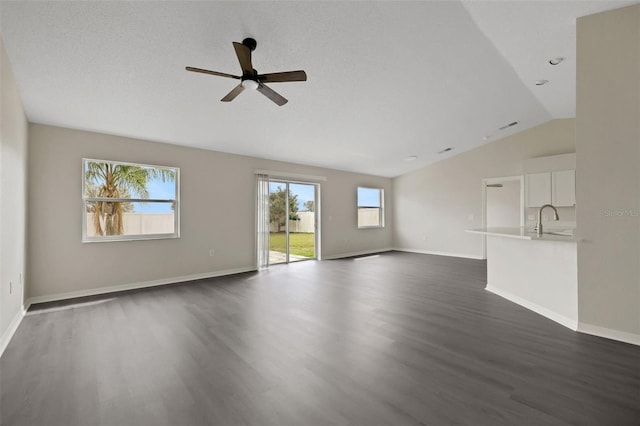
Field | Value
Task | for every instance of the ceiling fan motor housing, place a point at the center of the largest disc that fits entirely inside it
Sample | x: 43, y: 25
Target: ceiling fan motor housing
x: 253, y: 76
x: 250, y: 43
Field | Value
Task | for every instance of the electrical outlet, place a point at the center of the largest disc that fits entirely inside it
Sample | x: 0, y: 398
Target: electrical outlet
x: 212, y: 252
x: 424, y: 238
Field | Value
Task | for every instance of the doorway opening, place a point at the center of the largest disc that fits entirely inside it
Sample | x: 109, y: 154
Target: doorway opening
x: 293, y: 221
x: 503, y: 204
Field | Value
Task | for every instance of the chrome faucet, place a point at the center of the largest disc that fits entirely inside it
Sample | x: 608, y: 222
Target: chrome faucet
x: 538, y: 227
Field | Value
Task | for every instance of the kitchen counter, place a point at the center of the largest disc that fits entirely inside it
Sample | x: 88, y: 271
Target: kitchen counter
x: 527, y: 233
x: 541, y: 276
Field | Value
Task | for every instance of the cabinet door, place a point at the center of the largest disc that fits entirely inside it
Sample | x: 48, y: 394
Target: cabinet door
x: 538, y: 186
x: 564, y: 188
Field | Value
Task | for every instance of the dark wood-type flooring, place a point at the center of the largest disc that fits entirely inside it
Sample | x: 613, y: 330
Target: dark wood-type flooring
x: 394, y: 339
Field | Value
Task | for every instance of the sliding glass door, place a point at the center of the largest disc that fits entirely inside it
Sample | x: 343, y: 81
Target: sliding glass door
x: 292, y: 222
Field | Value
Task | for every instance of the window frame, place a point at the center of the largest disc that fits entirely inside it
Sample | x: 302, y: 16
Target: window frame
x: 139, y: 237
x: 381, y: 213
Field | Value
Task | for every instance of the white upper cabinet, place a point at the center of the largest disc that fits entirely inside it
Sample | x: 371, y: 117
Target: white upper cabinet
x: 563, y: 191
x: 550, y: 180
x: 557, y: 188
x: 538, y: 189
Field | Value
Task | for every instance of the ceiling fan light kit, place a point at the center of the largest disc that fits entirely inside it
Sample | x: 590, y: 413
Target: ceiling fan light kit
x: 250, y: 78
x: 250, y: 84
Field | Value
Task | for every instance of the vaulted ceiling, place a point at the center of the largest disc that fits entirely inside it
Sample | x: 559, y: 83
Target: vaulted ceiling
x: 387, y: 80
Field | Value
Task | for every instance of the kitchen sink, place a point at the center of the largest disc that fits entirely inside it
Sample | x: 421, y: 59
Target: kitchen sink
x: 558, y: 232
x: 563, y: 233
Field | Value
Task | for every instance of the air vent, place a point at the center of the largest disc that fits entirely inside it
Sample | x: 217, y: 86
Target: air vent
x: 508, y: 125
x: 445, y: 150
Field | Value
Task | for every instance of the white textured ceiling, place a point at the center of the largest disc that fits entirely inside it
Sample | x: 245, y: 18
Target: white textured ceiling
x: 529, y: 33
x: 386, y: 79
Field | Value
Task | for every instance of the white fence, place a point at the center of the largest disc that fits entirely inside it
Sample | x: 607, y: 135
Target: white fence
x: 369, y: 216
x: 163, y: 223
x: 140, y: 224
x: 305, y: 224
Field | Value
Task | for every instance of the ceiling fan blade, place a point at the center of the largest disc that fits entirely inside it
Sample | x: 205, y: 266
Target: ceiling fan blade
x: 244, y: 57
x: 281, y: 77
x: 232, y: 94
x: 220, y: 74
x: 271, y: 94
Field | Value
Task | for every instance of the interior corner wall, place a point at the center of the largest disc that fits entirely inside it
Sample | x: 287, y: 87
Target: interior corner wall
x: 13, y: 198
x: 217, y: 211
x: 608, y: 172
x: 434, y: 205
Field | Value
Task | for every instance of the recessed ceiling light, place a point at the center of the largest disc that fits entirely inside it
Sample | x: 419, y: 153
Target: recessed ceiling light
x: 486, y: 138
x: 411, y: 158
x: 556, y: 61
x: 541, y: 82
x: 445, y: 150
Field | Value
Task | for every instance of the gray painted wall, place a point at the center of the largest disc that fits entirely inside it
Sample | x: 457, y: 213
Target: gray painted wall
x: 434, y: 205
x: 608, y: 170
x: 217, y: 212
x: 13, y: 197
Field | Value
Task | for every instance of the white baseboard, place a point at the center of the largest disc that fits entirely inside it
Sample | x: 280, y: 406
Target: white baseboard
x: 608, y: 333
x: 355, y: 253
x: 440, y: 253
x: 132, y: 286
x: 554, y: 316
x: 10, y: 331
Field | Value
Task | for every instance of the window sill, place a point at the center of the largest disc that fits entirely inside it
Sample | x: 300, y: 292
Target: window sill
x: 110, y: 239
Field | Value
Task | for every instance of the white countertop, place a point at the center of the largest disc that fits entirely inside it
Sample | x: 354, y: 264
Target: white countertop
x: 525, y: 234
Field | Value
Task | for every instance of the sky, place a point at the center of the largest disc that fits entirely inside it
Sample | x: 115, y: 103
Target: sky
x: 304, y: 192
x: 367, y: 197
x: 157, y: 189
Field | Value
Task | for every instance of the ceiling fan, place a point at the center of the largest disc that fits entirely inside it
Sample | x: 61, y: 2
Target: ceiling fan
x: 250, y: 78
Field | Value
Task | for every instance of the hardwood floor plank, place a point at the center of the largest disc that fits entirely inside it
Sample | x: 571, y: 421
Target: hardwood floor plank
x: 389, y: 339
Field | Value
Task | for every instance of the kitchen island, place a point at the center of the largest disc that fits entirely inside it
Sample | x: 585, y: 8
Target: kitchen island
x: 537, y: 272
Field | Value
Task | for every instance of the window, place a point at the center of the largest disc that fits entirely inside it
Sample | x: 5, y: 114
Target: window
x: 370, y: 207
x: 124, y: 201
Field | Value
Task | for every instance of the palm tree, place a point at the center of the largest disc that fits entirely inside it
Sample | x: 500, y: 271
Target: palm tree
x: 112, y: 180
